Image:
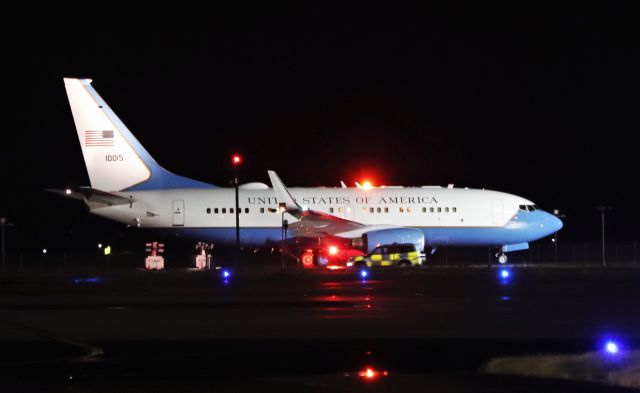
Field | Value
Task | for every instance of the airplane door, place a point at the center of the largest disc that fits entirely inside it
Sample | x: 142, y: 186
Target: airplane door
x: 497, y: 211
x: 178, y: 213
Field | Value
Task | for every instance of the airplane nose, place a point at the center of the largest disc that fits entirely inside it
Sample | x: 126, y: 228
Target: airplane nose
x: 554, y: 224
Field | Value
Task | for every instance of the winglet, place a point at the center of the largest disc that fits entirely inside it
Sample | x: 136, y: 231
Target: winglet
x: 282, y: 194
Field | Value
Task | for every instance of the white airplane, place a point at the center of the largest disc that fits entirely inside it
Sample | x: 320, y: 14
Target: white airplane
x: 128, y: 186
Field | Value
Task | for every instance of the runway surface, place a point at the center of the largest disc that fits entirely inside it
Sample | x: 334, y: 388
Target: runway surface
x: 414, y: 321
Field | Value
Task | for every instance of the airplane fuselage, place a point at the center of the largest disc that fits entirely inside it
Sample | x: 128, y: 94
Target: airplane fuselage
x: 447, y: 216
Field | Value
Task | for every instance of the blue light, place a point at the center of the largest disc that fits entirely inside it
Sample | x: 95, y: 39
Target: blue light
x: 504, y: 273
x: 226, y: 274
x: 88, y: 279
x: 363, y: 274
x: 611, y: 347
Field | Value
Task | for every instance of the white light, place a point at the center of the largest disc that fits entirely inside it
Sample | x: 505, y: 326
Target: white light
x: 612, y: 347
x: 99, y: 245
x: 67, y: 191
x: 44, y: 250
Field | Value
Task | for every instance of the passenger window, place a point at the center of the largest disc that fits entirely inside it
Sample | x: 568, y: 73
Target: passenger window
x: 446, y: 210
x: 386, y: 210
x: 430, y: 210
x: 424, y: 209
x: 246, y: 210
x: 231, y: 210
x: 330, y: 210
x: 379, y: 210
x: 408, y: 210
x: 216, y: 210
x: 224, y: 210
x: 402, y: 210
x: 208, y: 210
x: 455, y: 209
x: 439, y: 210
x: 262, y: 210
x: 370, y: 210
x: 339, y: 210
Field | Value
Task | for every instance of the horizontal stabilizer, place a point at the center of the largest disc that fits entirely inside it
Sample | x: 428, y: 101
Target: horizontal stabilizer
x: 93, y: 197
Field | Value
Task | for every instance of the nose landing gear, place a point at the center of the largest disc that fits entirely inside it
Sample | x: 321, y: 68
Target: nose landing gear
x: 502, y: 257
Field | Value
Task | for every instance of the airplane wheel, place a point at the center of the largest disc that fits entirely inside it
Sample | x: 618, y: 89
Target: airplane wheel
x: 502, y: 258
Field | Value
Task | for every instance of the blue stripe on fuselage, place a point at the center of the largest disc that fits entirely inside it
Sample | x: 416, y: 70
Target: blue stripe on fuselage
x: 525, y: 227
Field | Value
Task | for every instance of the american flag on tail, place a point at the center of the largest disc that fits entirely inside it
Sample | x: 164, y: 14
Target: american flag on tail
x: 98, y: 138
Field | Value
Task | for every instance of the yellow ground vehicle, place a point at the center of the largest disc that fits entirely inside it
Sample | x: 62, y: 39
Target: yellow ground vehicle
x: 400, y: 255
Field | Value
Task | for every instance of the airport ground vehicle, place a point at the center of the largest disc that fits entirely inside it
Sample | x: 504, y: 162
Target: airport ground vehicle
x: 400, y: 255
x: 332, y: 253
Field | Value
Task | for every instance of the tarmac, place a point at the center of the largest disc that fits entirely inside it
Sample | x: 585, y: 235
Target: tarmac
x: 420, y: 321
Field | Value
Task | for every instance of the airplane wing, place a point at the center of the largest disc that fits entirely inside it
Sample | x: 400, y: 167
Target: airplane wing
x: 310, y: 223
x: 313, y: 223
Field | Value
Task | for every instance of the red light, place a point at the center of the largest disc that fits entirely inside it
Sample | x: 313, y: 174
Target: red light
x: 307, y: 259
x: 368, y: 373
x: 333, y: 250
x: 236, y: 159
x: 371, y: 373
x: 367, y: 185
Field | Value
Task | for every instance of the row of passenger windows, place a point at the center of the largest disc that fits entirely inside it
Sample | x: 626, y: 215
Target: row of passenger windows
x: 340, y: 210
x: 230, y: 210
x: 224, y: 210
x: 401, y: 209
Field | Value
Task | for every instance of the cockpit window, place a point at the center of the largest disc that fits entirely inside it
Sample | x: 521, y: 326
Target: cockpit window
x: 528, y: 208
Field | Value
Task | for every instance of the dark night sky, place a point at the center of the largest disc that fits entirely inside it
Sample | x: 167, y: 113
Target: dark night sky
x: 539, y: 103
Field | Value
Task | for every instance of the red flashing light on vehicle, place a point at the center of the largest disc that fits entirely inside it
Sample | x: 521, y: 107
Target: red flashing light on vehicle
x: 307, y: 259
x: 333, y: 250
x: 236, y: 159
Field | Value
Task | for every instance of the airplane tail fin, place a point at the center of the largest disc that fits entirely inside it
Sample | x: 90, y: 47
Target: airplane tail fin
x: 115, y: 160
